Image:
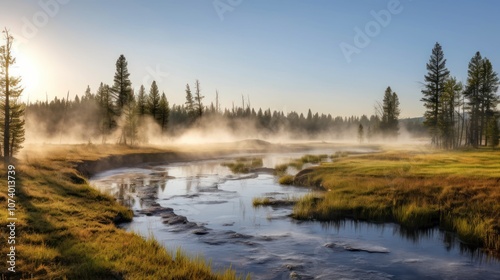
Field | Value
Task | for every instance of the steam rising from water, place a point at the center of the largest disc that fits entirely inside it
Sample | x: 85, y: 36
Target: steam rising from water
x: 209, y: 129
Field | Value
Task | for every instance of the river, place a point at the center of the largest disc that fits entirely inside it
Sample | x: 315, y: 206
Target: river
x: 203, y: 208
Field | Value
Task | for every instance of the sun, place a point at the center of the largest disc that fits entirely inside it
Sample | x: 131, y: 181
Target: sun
x: 25, y: 68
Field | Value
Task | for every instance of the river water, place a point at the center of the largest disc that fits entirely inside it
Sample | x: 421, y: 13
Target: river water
x: 222, y: 225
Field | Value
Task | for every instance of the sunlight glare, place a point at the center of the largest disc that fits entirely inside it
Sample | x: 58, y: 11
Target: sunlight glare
x: 25, y: 68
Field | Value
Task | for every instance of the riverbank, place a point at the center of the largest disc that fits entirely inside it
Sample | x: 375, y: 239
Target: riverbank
x: 65, y: 229
x: 456, y: 190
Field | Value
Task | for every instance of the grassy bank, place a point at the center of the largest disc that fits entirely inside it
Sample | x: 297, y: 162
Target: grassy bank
x: 459, y: 191
x: 243, y: 165
x: 67, y: 230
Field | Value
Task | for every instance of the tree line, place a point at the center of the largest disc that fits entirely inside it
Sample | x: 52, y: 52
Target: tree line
x: 115, y: 113
x: 461, y: 115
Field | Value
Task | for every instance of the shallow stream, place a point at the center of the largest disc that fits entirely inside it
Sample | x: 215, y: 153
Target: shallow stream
x: 206, y: 210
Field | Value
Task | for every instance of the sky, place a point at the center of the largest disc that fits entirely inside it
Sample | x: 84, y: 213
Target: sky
x: 333, y: 57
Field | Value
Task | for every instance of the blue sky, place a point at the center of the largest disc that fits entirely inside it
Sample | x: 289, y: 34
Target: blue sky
x: 284, y: 55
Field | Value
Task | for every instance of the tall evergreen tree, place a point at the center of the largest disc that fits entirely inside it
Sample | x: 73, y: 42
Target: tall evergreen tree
x: 189, y: 102
x: 122, y: 87
x: 434, y: 86
x: 10, y: 90
x: 88, y: 94
x: 154, y: 101
x: 129, y: 133
x: 106, y: 111
x: 17, y: 124
x: 447, y: 121
x: 142, y: 101
x: 164, y: 112
x: 489, y: 98
x: 197, y: 99
x: 472, y: 93
x: 389, y: 124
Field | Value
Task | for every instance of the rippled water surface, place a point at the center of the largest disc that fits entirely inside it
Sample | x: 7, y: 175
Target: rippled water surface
x: 224, y: 227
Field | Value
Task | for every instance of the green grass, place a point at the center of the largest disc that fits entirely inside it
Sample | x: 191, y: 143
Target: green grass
x: 243, y: 165
x: 458, y: 190
x: 66, y: 228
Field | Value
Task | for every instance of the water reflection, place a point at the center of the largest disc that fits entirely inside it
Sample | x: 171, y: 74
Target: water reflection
x: 209, y: 194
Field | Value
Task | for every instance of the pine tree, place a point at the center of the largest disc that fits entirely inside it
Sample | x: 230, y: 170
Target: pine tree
x: 122, y: 87
x: 434, y: 86
x: 450, y: 100
x: 472, y: 93
x: 129, y: 133
x: 106, y: 111
x: 142, y: 101
x: 489, y: 98
x: 198, y: 106
x: 154, y: 101
x: 17, y: 124
x: 189, y: 102
x: 12, y: 126
x: 389, y: 124
x: 164, y: 112
x: 88, y: 95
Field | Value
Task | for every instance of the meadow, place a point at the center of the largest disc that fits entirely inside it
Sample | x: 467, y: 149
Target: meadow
x: 455, y: 190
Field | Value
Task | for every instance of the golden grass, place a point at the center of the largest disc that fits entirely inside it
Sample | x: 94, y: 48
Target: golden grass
x: 66, y: 229
x: 457, y: 190
x: 243, y: 165
x: 286, y: 180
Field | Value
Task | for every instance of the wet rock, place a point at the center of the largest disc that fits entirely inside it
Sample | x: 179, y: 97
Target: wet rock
x: 295, y: 275
x: 155, y: 210
x: 368, y: 249
x: 329, y: 245
x: 292, y: 267
x: 200, y: 231
x: 174, y: 220
x: 249, y: 243
x: 228, y: 224
x: 272, y: 237
x: 236, y: 235
x: 214, y: 241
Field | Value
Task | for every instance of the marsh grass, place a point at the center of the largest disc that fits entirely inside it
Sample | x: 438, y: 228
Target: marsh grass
x: 459, y: 191
x: 66, y: 229
x: 286, y: 180
x: 269, y: 201
x: 298, y: 164
x: 339, y: 154
x: 243, y: 165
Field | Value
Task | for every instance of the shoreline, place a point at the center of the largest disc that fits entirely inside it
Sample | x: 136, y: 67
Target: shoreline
x: 66, y: 228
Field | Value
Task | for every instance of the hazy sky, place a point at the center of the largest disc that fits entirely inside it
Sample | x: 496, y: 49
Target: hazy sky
x: 286, y: 55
